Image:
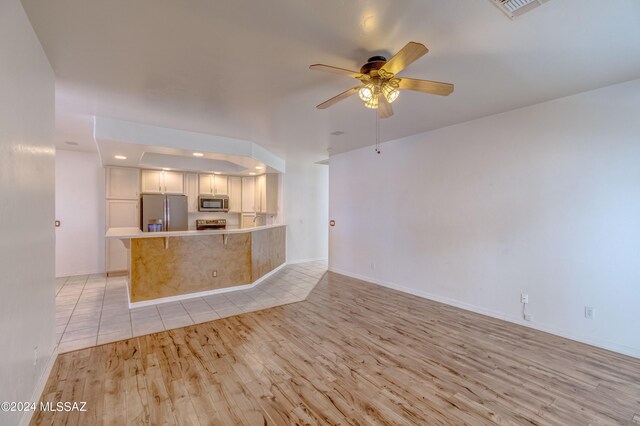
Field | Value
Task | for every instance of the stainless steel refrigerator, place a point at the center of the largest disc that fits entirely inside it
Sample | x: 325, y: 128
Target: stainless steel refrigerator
x: 168, y: 210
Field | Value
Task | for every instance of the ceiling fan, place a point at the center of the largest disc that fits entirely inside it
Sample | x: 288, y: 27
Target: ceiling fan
x: 380, y: 86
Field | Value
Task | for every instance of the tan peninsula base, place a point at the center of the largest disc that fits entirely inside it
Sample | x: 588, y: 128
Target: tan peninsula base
x: 176, y: 266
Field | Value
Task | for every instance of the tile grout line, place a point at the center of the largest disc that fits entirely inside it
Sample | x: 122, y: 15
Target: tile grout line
x: 104, y: 296
x: 214, y: 309
x: 102, y: 310
x: 62, y: 286
x: 187, y: 311
x: 74, y: 309
x: 161, y: 320
x: 68, y: 319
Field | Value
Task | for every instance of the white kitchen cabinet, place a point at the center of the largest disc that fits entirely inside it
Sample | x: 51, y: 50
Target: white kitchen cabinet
x: 221, y: 185
x: 116, y: 257
x: 261, y: 194
x: 273, y: 197
x: 162, y: 182
x: 214, y: 185
x: 152, y: 181
x: 248, y: 194
x: 191, y: 189
x: 206, y: 184
x: 249, y: 220
x: 173, y: 182
x: 267, y: 193
x: 235, y: 194
x: 120, y: 213
x: 122, y: 183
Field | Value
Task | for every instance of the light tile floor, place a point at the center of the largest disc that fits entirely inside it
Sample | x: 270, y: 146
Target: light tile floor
x: 93, y: 309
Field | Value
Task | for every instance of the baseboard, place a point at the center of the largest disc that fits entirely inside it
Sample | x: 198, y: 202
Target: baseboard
x: 313, y: 259
x: 39, y: 389
x: 603, y: 344
x: 75, y: 274
x: 181, y: 297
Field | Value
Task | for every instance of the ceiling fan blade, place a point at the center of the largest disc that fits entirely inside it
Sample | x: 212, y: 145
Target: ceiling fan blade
x: 335, y: 70
x: 338, y: 98
x: 384, y: 108
x: 426, y: 86
x: 405, y: 57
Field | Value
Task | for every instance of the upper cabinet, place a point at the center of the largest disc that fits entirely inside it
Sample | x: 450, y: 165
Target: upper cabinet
x: 152, y: 181
x: 261, y: 194
x: 214, y: 185
x: 249, y: 194
x: 267, y: 193
x: 206, y: 184
x: 235, y: 194
x: 221, y: 185
x: 191, y: 189
x: 173, y: 182
x: 162, y: 182
x: 122, y: 183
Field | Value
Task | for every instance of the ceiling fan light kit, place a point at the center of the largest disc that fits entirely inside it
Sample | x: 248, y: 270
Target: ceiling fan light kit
x: 390, y: 90
x: 379, y: 85
x: 366, y: 92
x: 372, y: 103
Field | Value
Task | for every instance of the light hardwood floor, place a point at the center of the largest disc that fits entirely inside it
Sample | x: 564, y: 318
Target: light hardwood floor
x: 352, y: 353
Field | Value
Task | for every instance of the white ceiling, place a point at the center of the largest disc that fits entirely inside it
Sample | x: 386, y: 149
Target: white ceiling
x: 123, y: 143
x: 240, y: 68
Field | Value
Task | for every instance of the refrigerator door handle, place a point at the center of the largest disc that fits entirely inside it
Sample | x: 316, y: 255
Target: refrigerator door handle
x: 167, y: 215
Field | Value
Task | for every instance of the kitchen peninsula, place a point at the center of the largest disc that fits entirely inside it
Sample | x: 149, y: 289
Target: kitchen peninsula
x: 175, y: 264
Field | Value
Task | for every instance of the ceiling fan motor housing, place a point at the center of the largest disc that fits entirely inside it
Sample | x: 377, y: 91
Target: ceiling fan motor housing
x: 373, y: 64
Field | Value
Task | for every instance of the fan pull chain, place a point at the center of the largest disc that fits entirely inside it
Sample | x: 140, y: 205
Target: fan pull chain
x: 375, y: 111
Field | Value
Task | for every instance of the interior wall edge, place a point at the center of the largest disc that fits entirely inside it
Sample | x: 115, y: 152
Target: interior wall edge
x: 39, y: 389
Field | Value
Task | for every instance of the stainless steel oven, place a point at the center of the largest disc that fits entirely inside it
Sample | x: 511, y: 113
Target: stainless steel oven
x: 213, y: 203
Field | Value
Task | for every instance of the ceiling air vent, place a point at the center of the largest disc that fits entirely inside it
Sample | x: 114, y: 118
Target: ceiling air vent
x: 515, y: 8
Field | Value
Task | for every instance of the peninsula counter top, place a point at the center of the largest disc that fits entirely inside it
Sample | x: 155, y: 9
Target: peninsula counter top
x: 134, y: 233
x: 169, y: 266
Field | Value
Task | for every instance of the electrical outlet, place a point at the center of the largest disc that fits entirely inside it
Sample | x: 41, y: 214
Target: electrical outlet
x: 215, y: 274
x: 528, y: 317
x: 589, y: 312
x: 524, y: 298
x: 35, y: 356
x: 373, y: 266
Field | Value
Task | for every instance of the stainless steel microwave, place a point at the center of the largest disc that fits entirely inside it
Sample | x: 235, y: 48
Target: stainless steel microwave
x: 213, y: 203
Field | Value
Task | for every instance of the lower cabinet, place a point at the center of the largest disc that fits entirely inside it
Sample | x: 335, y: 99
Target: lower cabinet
x: 120, y: 213
x: 117, y: 257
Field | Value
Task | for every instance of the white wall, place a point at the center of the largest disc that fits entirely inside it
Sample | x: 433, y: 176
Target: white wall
x: 305, y: 211
x: 27, y: 310
x: 543, y: 200
x: 80, y: 206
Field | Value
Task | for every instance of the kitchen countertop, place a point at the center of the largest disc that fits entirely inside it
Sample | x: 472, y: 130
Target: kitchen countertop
x: 128, y: 233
